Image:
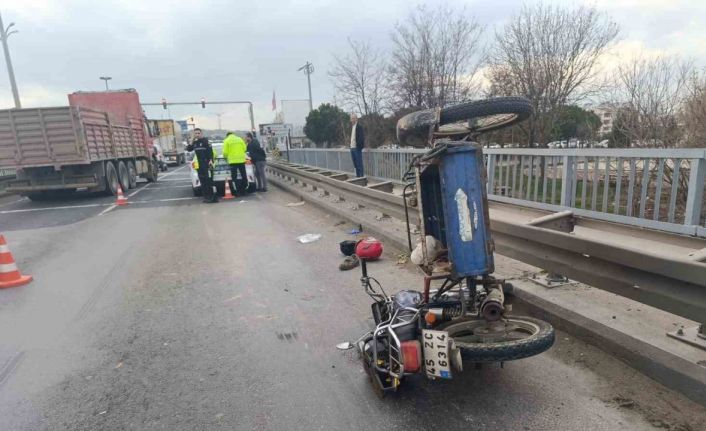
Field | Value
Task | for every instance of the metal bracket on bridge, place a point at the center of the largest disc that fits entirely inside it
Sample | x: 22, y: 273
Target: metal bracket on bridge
x: 563, y: 221
x: 698, y: 255
x: 696, y: 335
x: 360, y: 181
x: 385, y: 186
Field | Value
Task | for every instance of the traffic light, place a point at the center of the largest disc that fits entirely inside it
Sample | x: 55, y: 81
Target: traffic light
x: 164, y: 103
x: 203, y: 103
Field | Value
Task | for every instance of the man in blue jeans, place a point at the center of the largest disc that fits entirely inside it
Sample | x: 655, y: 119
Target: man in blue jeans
x: 357, y: 144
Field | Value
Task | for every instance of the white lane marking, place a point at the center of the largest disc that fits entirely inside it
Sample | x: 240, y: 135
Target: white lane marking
x: 171, y: 173
x: 171, y: 187
x: 174, y: 180
x: 139, y: 190
x: 150, y: 184
x: 54, y: 208
x: 13, y: 202
x: 110, y: 208
x: 175, y: 199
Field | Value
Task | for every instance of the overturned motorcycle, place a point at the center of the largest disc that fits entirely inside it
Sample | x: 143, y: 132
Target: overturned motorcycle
x: 465, y: 319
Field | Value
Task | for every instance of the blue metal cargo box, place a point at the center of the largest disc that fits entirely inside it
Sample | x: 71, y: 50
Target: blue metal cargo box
x: 465, y: 210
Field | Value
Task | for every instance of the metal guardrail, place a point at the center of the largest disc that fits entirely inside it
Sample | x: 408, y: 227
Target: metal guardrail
x: 660, y: 189
x: 676, y: 285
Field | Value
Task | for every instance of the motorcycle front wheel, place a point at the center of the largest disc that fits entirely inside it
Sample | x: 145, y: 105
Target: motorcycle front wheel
x: 505, y: 340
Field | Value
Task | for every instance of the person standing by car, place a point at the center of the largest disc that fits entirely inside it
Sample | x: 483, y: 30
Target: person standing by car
x: 357, y: 144
x: 258, y: 159
x: 234, y: 150
x: 204, y: 155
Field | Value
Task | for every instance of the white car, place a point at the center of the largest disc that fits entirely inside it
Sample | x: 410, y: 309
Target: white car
x: 221, y: 172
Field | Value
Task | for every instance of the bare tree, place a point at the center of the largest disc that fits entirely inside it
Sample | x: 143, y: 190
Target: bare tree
x: 436, y: 54
x: 650, y: 94
x: 550, y: 55
x: 693, y: 112
x: 359, y: 78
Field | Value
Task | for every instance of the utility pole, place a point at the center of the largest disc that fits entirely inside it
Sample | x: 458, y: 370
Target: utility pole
x: 219, y: 115
x: 106, y: 79
x: 308, y: 69
x: 5, y: 32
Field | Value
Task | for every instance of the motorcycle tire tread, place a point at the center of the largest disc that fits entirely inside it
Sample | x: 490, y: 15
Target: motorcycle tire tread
x: 480, y: 108
x: 510, y: 350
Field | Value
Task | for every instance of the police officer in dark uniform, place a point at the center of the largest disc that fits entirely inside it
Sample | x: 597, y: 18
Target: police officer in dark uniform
x: 204, y: 154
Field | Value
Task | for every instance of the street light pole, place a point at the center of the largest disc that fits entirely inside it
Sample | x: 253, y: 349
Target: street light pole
x: 106, y: 79
x: 308, y: 69
x: 4, y: 34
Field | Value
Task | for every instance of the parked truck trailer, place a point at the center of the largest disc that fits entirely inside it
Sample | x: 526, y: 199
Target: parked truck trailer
x: 169, y: 139
x: 96, y: 143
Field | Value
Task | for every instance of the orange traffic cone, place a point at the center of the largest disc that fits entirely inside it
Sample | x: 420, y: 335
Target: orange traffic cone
x: 228, y: 194
x: 10, y: 276
x: 122, y: 200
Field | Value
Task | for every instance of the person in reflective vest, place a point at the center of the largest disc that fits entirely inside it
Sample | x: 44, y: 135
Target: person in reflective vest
x: 234, y: 150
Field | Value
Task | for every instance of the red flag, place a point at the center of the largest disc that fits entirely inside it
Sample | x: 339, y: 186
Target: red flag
x: 274, y: 101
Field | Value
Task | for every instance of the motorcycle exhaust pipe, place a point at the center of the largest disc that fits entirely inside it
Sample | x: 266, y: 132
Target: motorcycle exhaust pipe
x: 493, y: 307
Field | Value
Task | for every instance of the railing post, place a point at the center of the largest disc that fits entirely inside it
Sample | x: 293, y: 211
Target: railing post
x: 694, y: 198
x: 490, y: 170
x: 567, y: 178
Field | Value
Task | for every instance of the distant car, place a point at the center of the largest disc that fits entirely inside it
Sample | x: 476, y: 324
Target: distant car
x: 221, y: 172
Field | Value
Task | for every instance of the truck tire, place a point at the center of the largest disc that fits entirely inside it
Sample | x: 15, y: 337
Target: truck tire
x: 123, y: 176
x: 153, y: 173
x: 132, y: 170
x: 111, y: 179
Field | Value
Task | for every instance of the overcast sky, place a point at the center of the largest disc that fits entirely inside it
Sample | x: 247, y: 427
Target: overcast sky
x: 236, y: 50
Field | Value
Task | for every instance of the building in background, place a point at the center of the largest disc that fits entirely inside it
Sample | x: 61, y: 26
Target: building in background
x: 294, y: 113
x: 275, y: 135
x: 606, y: 112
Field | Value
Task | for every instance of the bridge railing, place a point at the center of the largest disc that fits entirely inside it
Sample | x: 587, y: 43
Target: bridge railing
x: 655, y: 188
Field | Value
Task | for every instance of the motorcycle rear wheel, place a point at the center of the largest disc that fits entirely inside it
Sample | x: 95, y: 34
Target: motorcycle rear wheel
x: 506, y: 340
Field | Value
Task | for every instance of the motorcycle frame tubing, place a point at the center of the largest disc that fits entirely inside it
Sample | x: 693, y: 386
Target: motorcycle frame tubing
x: 390, y: 328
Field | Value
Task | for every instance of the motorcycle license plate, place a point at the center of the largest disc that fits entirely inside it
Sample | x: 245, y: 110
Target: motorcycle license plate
x: 437, y: 360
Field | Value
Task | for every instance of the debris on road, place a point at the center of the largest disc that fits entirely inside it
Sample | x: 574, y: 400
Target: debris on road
x: 624, y: 402
x: 357, y: 231
x: 349, y: 262
x: 309, y: 237
x: 402, y: 258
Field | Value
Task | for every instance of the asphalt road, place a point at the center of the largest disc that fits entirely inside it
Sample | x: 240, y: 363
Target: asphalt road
x: 170, y: 314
